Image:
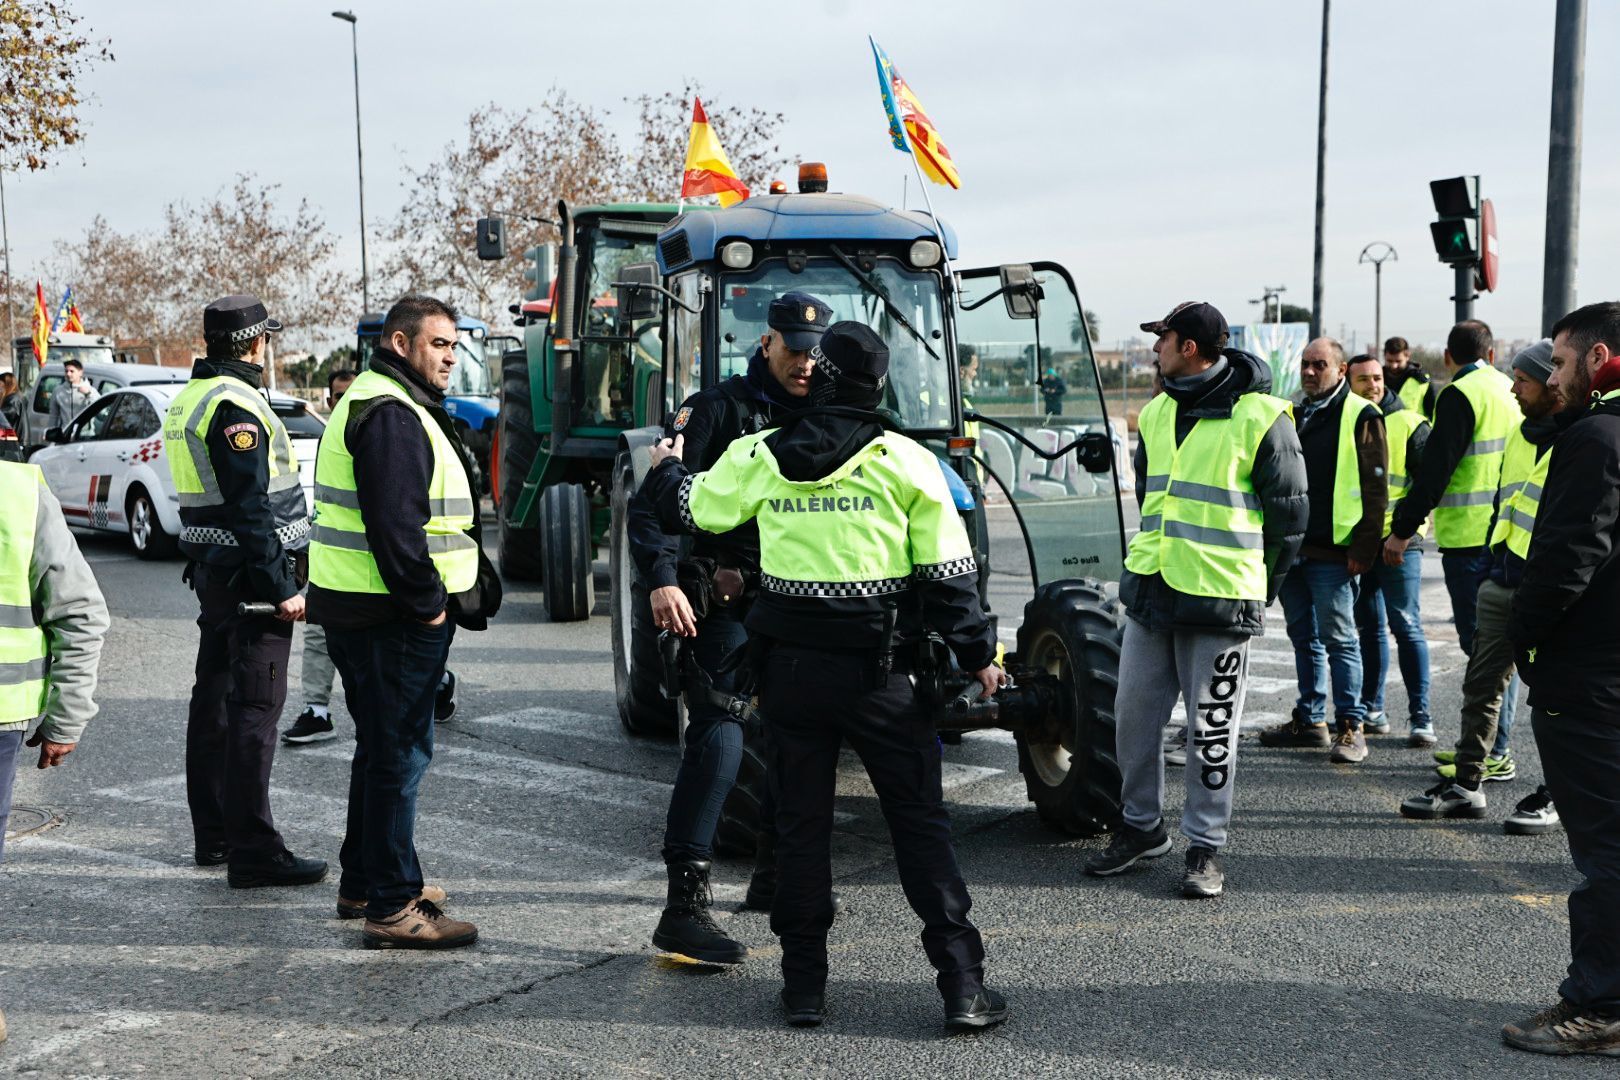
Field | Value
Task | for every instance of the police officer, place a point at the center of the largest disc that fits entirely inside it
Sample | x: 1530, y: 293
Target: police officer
x: 244, y: 525
x: 777, y: 380
x: 861, y: 550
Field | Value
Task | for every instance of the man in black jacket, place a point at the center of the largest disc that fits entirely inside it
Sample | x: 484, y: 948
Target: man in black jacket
x: 777, y: 381
x: 1565, y: 627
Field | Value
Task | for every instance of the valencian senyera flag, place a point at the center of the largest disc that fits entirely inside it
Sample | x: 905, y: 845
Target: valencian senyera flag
x: 907, y: 118
x: 75, y: 321
x: 708, y: 170
x: 42, y: 325
x: 67, y: 315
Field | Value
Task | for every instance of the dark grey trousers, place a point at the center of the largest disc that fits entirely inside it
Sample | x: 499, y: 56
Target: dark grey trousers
x: 1490, y: 669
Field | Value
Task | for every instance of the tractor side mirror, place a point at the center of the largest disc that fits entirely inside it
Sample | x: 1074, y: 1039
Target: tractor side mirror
x: 1021, y: 292
x: 637, y: 290
x: 491, y: 238
x: 1095, y: 452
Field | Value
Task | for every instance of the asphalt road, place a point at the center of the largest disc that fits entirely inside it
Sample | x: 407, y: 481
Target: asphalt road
x: 1350, y: 942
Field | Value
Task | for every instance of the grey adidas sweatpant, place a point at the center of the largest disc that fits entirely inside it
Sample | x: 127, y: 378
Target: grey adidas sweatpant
x: 1210, y: 670
x: 318, y: 669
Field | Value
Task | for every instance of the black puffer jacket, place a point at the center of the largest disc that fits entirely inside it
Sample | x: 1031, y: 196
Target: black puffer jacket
x: 1279, y: 479
x: 1563, y: 624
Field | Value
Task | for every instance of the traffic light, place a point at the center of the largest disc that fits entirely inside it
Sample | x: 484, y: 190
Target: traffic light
x: 1456, y: 234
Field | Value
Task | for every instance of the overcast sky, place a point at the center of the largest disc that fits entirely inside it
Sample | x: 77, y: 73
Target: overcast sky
x: 1162, y: 149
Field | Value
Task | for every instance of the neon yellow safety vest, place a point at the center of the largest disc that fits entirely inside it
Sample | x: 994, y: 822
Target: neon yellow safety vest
x: 24, y: 650
x: 1519, y: 495
x: 1401, y: 425
x: 1412, y: 393
x: 339, y: 557
x: 1202, y: 521
x: 1463, y: 518
x: 880, y: 520
x: 1347, y: 468
x: 185, y: 442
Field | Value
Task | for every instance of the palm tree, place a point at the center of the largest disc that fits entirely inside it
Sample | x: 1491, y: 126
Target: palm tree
x: 1091, y: 323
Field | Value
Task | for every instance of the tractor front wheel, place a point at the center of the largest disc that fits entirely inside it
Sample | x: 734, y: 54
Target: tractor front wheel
x: 565, y: 532
x: 1072, y: 631
x: 637, y: 667
x: 518, y: 447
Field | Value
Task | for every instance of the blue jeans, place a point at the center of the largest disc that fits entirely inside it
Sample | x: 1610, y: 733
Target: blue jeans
x: 390, y: 675
x: 1464, y: 572
x: 714, y: 746
x: 10, y: 750
x: 1319, y: 600
x: 1389, y: 594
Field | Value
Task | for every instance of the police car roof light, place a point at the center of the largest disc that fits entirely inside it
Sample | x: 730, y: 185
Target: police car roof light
x: 812, y: 177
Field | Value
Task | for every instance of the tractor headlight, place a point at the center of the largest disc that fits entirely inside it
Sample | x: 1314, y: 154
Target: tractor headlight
x: 738, y: 255
x: 924, y: 253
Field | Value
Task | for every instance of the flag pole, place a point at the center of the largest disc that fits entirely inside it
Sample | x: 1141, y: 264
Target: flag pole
x: 939, y: 230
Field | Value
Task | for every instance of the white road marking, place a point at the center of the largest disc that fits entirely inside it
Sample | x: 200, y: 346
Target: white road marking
x: 111, y: 1024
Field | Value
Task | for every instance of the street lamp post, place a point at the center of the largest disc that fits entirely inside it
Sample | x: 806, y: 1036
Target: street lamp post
x: 1378, y: 257
x: 1271, y: 303
x: 359, y: 157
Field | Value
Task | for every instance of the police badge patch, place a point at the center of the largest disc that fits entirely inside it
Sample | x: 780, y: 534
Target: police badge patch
x: 681, y: 418
x: 242, y: 437
x: 809, y: 314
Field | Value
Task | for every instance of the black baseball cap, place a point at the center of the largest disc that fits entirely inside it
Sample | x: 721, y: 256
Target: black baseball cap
x: 852, y: 352
x: 1193, y: 320
x: 800, y: 318
x: 237, y: 318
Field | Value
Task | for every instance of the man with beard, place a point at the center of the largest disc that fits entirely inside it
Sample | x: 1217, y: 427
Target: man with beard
x: 1405, y: 379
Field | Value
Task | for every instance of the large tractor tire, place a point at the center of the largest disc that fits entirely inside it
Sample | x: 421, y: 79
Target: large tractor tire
x: 1072, y: 630
x: 738, y: 832
x: 567, y: 552
x: 519, y: 446
x: 643, y: 709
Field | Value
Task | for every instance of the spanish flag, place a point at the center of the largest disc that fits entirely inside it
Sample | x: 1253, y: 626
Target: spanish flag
x: 75, y: 321
x: 906, y: 117
x: 708, y: 170
x: 42, y: 325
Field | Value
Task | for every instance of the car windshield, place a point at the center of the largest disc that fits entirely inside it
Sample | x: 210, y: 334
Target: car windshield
x: 299, y: 421
x: 918, y: 393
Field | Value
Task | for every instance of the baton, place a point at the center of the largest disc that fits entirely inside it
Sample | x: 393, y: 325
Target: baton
x: 257, y: 607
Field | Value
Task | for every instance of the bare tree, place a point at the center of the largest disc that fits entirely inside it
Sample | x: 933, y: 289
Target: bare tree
x: 44, y: 52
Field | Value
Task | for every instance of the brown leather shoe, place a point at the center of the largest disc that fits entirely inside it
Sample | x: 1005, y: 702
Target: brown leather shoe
x: 419, y: 925
x: 1296, y: 731
x: 356, y: 909
x: 1349, y: 747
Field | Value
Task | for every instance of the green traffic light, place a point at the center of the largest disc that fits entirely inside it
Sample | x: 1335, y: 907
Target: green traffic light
x: 1459, y: 240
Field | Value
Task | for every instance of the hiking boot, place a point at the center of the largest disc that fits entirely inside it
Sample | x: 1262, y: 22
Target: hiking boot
x: 1498, y: 770
x: 1296, y: 731
x: 356, y: 909
x: 1534, y: 815
x: 1421, y: 734
x: 984, y: 1009
x: 1129, y: 846
x: 1203, y: 877
x: 1445, y: 800
x: 686, y: 930
x: 804, y: 1010
x: 1175, y: 746
x: 419, y: 925
x: 310, y: 727
x: 1566, y: 1028
x: 444, y: 700
x: 282, y: 868
x: 1349, y: 747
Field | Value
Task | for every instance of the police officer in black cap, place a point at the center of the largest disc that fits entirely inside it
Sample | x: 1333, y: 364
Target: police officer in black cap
x: 777, y: 381
x: 861, y: 552
x: 245, y: 527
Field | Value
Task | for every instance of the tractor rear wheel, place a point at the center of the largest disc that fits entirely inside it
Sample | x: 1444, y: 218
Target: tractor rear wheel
x: 1072, y: 630
x: 565, y: 533
x: 519, y: 548
x: 643, y: 708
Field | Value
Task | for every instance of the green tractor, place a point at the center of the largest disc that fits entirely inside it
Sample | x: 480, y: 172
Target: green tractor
x: 1036, y: 486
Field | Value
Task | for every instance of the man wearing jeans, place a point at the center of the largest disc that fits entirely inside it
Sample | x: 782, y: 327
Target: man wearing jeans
x: 1457, y: 483
x: 395, y: 565
x: 1347, y: 462
x: 1566, y: 635
x: 1391, y: 593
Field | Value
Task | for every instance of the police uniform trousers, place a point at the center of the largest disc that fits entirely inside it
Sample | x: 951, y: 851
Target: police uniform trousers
x: 235, y: 706
x: 812, y: 701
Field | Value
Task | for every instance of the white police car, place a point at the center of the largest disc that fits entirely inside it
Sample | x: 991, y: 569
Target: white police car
x: 110, y: 472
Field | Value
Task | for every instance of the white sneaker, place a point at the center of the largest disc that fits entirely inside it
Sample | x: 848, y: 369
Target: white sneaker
x: 1534, y: 815
x: 1445, y: 800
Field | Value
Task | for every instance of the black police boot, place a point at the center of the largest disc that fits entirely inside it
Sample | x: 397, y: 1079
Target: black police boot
x: 282, y: 868
x: 804, y: 1010
x: 686, y: 928
x: 984, y: 1009
x: 761, y: 893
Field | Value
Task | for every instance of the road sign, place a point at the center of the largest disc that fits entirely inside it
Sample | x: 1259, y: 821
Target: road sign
x: 1487, y: 246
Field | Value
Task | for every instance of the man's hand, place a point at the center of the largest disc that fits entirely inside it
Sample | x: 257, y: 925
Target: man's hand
x: 992, y: 678
x: 1357, y: 567
x: 665, y: 449
x: 437, y: 620
x: 671, y: 610
x: 50, y: 753
x: 291, y: 609
x: 1395, y: 549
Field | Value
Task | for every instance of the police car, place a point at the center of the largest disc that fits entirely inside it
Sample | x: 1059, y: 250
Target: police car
x: 110, y: 472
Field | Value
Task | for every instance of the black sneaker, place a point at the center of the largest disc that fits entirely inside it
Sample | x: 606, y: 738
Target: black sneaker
x: 444, y: 702
x: 1534, y: 815
x: 804, y: 1010
x: 310, y: 727
x: 1128, y: 847
x: 209, y: 855
x: 1204, y: 877
x: 1444, y: 801
x: 283, y: 868
x: 1566, y: 1028
x: 984, y: 1009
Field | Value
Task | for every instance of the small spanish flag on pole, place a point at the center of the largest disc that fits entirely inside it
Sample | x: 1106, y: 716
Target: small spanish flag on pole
x: 42, y: 325
x: 708, y: 170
